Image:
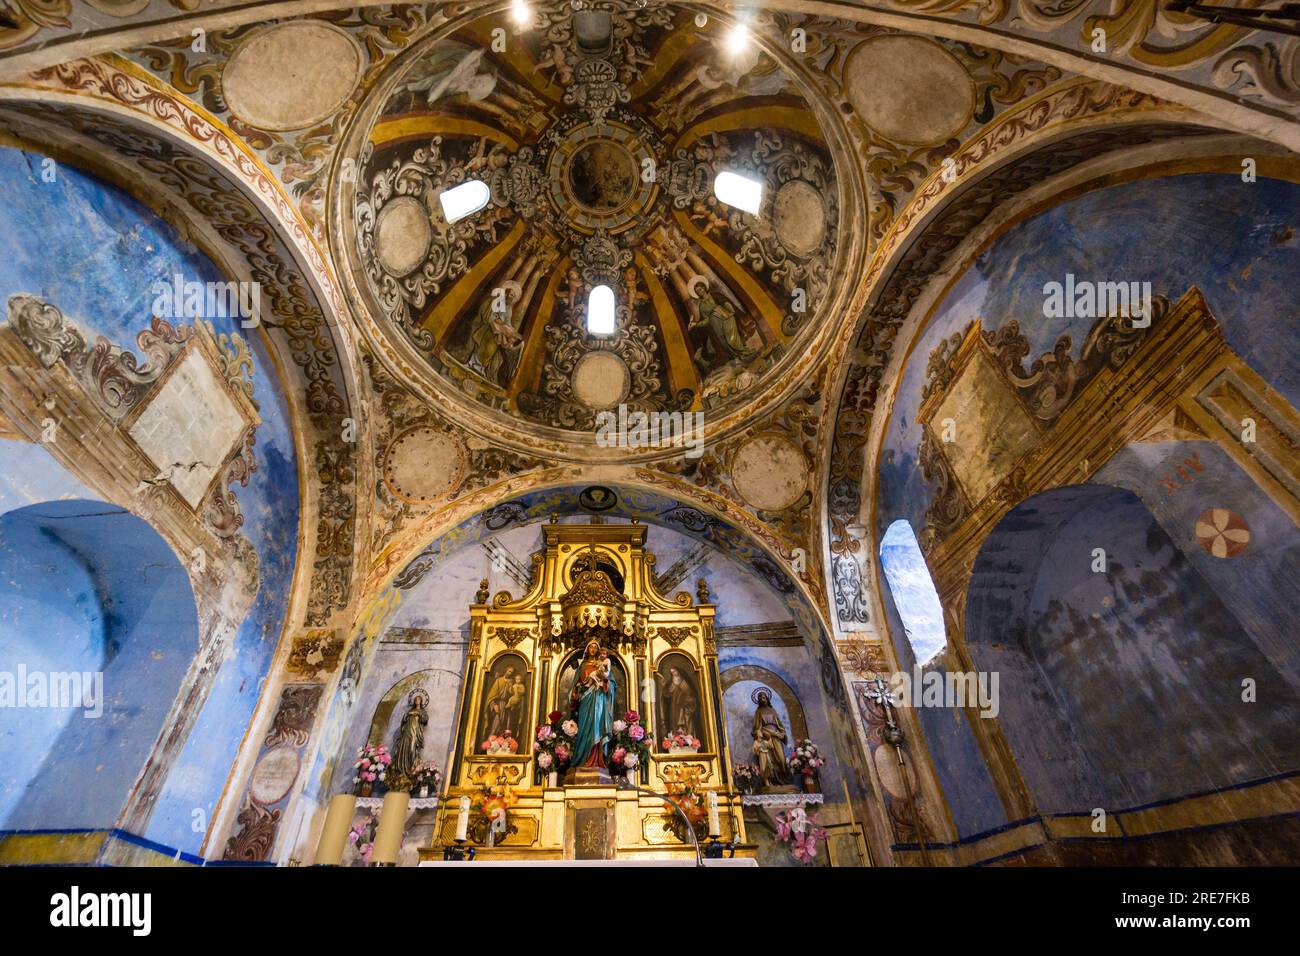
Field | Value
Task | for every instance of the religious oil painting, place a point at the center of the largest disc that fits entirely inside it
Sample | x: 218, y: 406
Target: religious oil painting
x: 677, y: 699
x: 505, y: 704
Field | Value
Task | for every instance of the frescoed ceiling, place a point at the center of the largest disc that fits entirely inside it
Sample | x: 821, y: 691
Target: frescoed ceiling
x: 599, y: 135
x: 440, y: 376
x: 598, y: 129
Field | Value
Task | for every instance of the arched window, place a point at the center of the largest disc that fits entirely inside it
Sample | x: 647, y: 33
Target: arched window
x: 464, y: 200
x: 600, y: 311
x: 913, y: 591
x: 740, y: 191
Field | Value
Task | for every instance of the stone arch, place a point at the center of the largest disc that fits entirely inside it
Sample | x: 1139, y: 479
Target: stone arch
x: 99, y: 613
x: 1063, y: 636
x: 1022, y: 163
x: 239, y: 214
x: 657, y: 504
x: 1208, y: 68
x: 1072, y: 139
x: 733, y: 675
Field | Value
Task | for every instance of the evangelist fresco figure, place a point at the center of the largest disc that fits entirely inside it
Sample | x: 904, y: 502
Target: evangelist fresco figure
x: 717, y: 315
x: 493, y: 344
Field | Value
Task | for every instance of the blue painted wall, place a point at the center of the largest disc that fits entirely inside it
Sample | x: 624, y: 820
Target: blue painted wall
x: 1238, y: 243
x: 95, y: 252
x: 1119, y: 688
x: 87, y: 587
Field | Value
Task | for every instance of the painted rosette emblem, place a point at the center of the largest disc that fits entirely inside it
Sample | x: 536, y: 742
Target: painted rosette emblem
x: 1222, y: 533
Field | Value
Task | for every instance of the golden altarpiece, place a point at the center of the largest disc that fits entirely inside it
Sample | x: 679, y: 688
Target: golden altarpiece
x: 591, y: 582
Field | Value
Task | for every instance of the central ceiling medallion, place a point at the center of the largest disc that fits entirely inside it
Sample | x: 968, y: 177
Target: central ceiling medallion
x: 594, y: 173
x: 601, y: 176
x: 595, y: 176
x: 598, y: 137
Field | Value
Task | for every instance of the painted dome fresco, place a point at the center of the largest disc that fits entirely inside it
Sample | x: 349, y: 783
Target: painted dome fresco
x: 593, y: 138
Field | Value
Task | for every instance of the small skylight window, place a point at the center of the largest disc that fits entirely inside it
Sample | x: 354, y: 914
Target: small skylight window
x: 738, y: 39
x: 464, y: 200
x: 600, y: 311
x: 740, y: 191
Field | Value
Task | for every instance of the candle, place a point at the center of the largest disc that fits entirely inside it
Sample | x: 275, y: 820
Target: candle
x: 392, y: 825
x: 462, y: 819
x: 714, y: 829
x: 338, y: 820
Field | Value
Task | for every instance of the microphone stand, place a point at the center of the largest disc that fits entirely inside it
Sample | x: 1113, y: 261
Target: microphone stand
x: 622, y: 784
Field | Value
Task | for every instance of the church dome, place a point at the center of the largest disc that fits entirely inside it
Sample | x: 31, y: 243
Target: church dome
x: 597, y: 137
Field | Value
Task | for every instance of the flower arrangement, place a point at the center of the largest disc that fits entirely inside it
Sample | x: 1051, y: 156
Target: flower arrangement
x: 680, y: 782
x: 805, y: 761
x: 746, y: 776
x: 503, y: 744
x: 371, y: 766
x: 676, y: 743
x: 362, y: 838
x: 627, y: 746
x: 800, y: 832
x: 425, y: 777
x: 493, y: 802
x: 553, y: 743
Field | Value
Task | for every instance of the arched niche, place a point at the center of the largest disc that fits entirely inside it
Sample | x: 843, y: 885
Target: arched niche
x: 569, y: 670
x: 651, y: 506
x: 1119, y: 665
x: 388, y: 712
x: 96, y: 611
x: 506, y: 703
x: 604, y: 562
x: 739, y: 686
x: 236, y: 525
x: 679, y: 703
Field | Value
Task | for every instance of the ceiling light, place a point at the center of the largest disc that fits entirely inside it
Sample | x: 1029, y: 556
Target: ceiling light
x: 520, y: 13
x: 739, y: 191
x: 600, y: 311
x: 737, y: 39
x: 464, y: 200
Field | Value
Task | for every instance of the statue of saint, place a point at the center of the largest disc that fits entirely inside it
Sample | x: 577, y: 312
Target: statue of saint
x: 680, y: 712
x: 409, y: 747
x: 591, y: 702
x: 769, y: 741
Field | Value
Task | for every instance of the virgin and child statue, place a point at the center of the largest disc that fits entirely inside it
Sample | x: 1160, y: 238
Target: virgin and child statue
x: 591, y: 701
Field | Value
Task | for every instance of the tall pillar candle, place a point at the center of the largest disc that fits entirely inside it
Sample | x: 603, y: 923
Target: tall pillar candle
x: 338, y: 821
x: 392, y: 824
x: 462, y: 820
